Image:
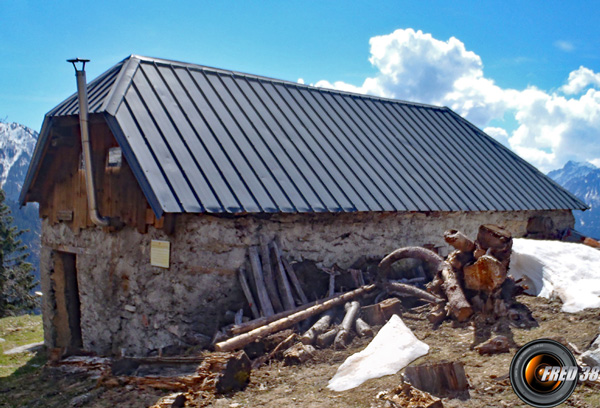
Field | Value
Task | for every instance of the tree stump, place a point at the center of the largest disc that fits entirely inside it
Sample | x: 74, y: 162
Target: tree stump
x: 444, y: 380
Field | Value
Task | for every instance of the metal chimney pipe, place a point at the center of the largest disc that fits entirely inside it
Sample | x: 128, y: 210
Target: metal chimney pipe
x: 86, y: 145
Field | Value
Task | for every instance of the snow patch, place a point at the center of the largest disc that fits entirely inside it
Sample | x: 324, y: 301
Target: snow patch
x: 394, y: 347
x: 554, y: 268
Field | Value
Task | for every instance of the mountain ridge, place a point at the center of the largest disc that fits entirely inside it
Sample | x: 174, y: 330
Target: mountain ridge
x: 583, y: 180
x: 17, y: 143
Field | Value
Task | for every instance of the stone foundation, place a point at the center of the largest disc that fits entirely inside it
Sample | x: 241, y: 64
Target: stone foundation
x: 131, y: 307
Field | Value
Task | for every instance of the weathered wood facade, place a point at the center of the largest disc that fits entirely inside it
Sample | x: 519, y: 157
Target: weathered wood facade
x: 64, y: 199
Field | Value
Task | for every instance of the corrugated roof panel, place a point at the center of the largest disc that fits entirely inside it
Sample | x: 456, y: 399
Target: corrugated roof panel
x: 253, y: 171
x: 210, y: 182
x: 323, y: 166
x: 143, y: 108
x: 230, y: 164
x: 376, y: 154
x: 485, y: 164
x: 297, y: 189
x: 419, y: 178
x: 353, y: 177
x: 363, y: 150
x: 527, y: 196
x: 285, y: 135
x: 277, y: 181
x: 409, y: 182
x: 436, y: 149
x: 458, y: 151
x: 424, y: 161
x: 179, y: 137
x: 202, y: 139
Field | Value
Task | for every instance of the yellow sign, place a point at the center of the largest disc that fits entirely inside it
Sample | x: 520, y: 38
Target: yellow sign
x: 160, y: 253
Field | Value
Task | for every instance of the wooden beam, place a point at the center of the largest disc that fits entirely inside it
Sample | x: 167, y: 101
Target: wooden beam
x: 258, y: 333
x: 269, y: 276
x: 248, y: 293
x: 263, y: 296
x: 283, y: 283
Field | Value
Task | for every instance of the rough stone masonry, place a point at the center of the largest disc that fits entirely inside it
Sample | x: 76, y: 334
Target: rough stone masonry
x: 131, y: 307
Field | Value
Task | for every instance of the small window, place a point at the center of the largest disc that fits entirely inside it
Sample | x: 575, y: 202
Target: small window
x: 114, y: 159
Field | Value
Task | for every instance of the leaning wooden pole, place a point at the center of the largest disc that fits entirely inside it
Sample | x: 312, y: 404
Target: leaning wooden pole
x: 260, y: 332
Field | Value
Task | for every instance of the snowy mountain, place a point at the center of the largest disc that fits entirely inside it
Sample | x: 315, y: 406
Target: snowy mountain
x: 16, y: 148
x: 583, y: 180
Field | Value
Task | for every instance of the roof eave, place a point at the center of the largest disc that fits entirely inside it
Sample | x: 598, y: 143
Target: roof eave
x: 36, y: 158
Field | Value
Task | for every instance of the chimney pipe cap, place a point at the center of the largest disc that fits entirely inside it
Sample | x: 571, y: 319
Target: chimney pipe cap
x: 74, y: 61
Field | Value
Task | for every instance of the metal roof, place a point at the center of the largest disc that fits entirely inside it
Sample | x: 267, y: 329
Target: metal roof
x: 202, y: 139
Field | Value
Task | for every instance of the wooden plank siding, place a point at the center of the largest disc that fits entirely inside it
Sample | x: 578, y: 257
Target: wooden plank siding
x: 117, y: 191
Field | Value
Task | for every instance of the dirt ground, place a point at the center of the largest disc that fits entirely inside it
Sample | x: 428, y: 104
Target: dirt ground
x: 275, y: 385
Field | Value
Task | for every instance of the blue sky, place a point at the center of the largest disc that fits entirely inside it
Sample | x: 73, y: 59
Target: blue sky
x: 511, y: 59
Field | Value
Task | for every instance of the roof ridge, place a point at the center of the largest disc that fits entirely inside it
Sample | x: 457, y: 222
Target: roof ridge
x: 120, y: 85
x: 283, y: 81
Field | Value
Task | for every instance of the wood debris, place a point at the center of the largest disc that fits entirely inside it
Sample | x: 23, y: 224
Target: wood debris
x: 406, y: 396
x: 495, y: 345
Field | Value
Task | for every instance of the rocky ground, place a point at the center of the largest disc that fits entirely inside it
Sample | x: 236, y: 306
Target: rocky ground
x: 276, y: 385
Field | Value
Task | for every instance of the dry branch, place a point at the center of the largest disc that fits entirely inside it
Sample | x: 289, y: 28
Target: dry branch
x: 363, y: 329
x: 326, y: 339
x: 295, y: 281
x: 343, y: 335
x: 402, y: 289
x: 261, y: 321
x: 319, y: 327
x: 458, y: 306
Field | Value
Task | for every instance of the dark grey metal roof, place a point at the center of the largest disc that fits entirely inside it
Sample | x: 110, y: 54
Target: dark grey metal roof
x: 201, y: 139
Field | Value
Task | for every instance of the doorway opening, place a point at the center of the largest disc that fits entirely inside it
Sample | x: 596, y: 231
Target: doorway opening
x: 67, y: 319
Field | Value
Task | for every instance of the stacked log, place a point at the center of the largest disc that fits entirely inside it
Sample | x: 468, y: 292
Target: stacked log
x: 482, y: 268
x: 473, y: 278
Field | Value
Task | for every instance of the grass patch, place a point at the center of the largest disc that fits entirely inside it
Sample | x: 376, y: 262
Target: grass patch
x: 18, y: 331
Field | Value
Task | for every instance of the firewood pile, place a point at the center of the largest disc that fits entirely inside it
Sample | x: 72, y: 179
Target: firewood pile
x: 471, y: 280
x: 475, y: 275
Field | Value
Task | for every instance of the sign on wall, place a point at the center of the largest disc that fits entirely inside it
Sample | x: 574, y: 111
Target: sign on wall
x: 160, y: 252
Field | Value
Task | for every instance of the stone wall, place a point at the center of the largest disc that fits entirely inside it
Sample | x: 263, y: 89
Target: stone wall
x: 131, y: 307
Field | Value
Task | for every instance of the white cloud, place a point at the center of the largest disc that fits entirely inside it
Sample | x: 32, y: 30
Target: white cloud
x: 300, y: 81
x: 564, y: 45
x: 551, y: 127
x: 579, y: 80
x: 497, y: 133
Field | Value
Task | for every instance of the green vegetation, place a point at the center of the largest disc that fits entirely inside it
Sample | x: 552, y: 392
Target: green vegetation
x: 19, y: 331
x: 16, y: 277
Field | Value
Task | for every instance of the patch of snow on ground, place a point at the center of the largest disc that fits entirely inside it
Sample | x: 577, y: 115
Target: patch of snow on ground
x: 554, y: 268
x: 394, y: 347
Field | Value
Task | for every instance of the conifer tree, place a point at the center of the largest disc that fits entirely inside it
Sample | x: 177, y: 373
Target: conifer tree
x: 16, y: 278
